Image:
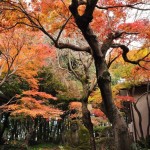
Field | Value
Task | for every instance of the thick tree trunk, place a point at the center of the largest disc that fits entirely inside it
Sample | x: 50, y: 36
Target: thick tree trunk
x: 103, y: 77
x: 86, y: 118
x: 122, y: 141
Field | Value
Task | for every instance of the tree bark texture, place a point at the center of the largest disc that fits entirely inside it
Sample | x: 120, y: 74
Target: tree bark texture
x: 120, y: 128
x: 86, y: 118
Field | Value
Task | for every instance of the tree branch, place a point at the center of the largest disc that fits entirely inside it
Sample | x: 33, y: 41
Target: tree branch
x: 78, y: 77
x: 126, y: 59
x: 73, y: 47
x: 133, y: 6
x: 62, y: 28
x: 110, y: 62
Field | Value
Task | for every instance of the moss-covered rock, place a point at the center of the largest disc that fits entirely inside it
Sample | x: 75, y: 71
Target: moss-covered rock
x: 78, y: 137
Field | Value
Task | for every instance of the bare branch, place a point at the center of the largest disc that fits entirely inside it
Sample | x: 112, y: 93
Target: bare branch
x: 110, y: 62
x: 93, y: 85
x: 17, y: 23
x: 62, y: 28
x: 72, y: 70
x: 9, y: 102
x: 90, y: 61
x: 73, y: 47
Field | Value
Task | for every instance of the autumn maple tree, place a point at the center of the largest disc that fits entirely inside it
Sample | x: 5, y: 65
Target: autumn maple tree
x: 103, y: 25
x: 30, y: 105
x: 33, y: 103
x: 22, y: 58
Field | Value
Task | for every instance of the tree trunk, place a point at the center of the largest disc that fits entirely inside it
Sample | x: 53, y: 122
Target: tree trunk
x: 5, y: 125
x: 15, y: 129
x: 30, y: 131
x: 121, y: 135
x: 86, y: 118
x: 47, y: 131
x: 39, y: 129
x: 98, y: 52
x: 34, y: 134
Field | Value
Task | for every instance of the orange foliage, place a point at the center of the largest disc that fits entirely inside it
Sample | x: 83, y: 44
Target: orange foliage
x: 22, y: 55
x: 33, y: 104
x: 41, y: 94
x: 140, y: 26
x: 75, y: 105
x: 52, y: 14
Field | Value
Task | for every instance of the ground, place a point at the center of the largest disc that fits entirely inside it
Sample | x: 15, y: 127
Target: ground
x: 35, y: 147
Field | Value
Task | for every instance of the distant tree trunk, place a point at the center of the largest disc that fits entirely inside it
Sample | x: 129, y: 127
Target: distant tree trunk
x: 58, y: 131
x: 12, y: 130
x: 47, y: 131
x: 34, y: 134
x: 4, y: 126
x: 31, y: 129
x: 44, y: 130
x: 54, y: 132
x: 40, y: 129
x: 15, y: 129
x: 29, y: 136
